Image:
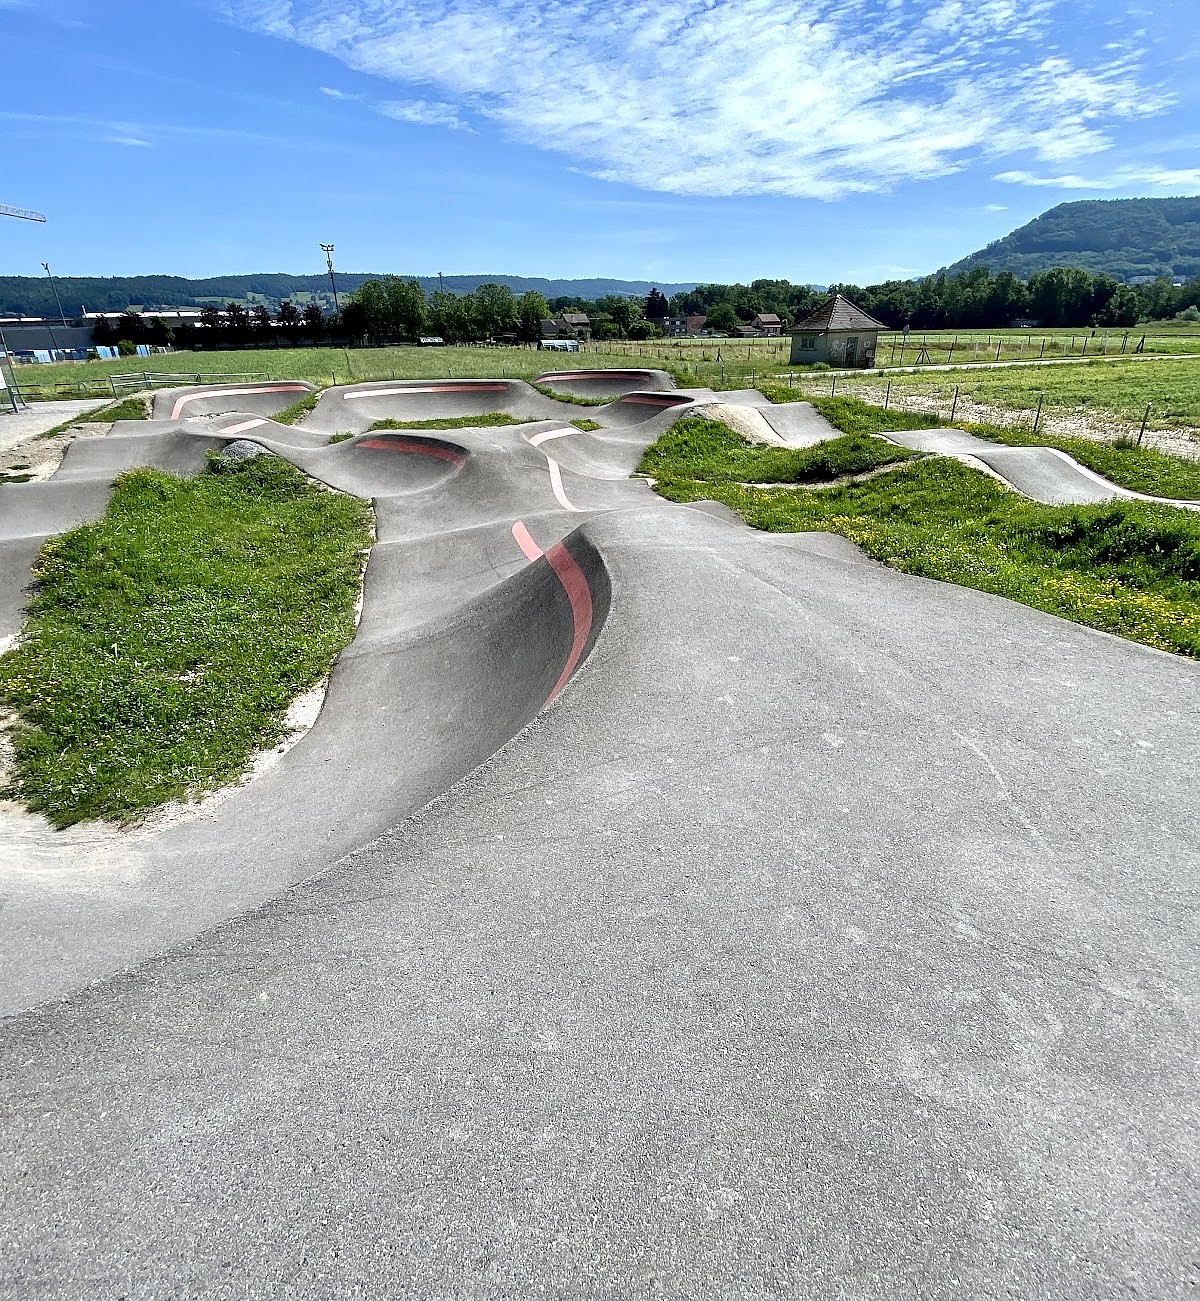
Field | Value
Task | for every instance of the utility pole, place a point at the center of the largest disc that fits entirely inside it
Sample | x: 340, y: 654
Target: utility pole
x: 327, y: 249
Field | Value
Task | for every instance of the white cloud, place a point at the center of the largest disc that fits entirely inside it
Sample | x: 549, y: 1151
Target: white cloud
x: 334, y: 93
x: 994, y: 207
x: 424, y: 113
x: 133, y: 142
x: 793, y: 97
x: 1124, y: 178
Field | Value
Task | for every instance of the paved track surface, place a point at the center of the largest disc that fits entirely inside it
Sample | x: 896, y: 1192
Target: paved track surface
x: 1043, y: 473
x: 37, y: 418
x: 604, y: 383
x: 830, y: 936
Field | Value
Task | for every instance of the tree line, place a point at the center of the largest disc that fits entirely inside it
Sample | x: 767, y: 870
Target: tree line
x: 392, y: 310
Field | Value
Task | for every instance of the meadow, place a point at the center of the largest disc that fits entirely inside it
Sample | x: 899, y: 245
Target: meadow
x: 1111, y: 393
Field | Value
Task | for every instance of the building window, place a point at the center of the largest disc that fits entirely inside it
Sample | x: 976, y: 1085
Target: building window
x: 808, y: 342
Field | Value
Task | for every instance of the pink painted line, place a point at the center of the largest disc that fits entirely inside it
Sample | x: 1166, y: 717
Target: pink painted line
x: 234, y: 392
x: 241, y: 429
x: 411, y: 445
x: 653, y: 400
x: 556, y: 483
x: 529, y: 548
x: 579, y: 594
x: 538, y: 439
x: 556, y: 486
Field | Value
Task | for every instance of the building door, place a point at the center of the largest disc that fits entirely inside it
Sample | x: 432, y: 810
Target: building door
x: 851, y: 352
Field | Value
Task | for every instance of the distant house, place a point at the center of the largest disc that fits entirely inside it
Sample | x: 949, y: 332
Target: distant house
x: 568, y: 325
x: 837, y: 333
x: 767, y: 323
x: 680, y: 326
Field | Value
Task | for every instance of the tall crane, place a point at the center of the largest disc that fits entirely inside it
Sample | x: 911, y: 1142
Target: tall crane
x: 25, y: 214
x: 14, y: 397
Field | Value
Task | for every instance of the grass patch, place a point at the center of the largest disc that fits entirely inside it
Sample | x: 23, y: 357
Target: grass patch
x: 586, y: 425
x: 1128, y: 568
x: 570, y: 397
x: 851, y: 415
x: 9, y: 476
x: 487, y: 421
x: 165, y: 642
x: 698, y: 448
x: 1140, y: 469
x: 298, y: 410
x: 135, y: 408
x: 339, y: 438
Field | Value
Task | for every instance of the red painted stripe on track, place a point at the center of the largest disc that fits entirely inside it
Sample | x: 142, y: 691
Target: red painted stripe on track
x: 234, y: 392
x: 409, y: 445
x: 649, y: 400
x: 529, y: 547
x: 579, y: 594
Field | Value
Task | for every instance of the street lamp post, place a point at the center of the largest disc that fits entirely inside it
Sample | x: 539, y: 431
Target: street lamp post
x: 327, y: 249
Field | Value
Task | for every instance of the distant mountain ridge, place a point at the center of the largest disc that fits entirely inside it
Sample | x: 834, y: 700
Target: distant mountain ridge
x: 1123, y: 238
x: 33, y: 295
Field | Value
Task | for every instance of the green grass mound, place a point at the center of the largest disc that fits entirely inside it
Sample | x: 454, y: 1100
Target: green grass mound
x: 1129, y: 568
x: 696, y: 447
x: 489, y: 420
x: 166, y: 641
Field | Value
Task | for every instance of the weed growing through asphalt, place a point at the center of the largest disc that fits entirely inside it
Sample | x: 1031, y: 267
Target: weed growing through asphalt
x: 165, y: 642
x: 588, y: 426
x: 298, y: 410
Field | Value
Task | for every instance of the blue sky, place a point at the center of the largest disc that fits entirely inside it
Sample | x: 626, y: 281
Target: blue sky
x: 670, y: 140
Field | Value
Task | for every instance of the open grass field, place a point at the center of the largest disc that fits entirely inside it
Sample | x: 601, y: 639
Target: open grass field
x: 711, y: 362
x: 1114, y: 391
x: 1128, y: 568
x: 1104, y: 398
x: 167, y: 640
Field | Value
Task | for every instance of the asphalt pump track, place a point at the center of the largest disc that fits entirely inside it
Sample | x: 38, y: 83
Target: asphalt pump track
x: 657, y: 908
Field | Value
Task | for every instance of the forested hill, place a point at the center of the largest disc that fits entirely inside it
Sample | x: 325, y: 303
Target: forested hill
x: 33, y: 296
x: 1123, y: 238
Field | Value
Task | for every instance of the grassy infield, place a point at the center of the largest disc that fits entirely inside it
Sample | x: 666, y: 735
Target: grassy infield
x: 1124, y: 567
x: 166, y: 641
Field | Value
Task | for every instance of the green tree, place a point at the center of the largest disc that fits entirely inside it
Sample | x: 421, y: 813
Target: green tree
x: 723, y: 319
x: 623, y: 316
x: 290, y: 322
x: 496, y: 310
x: 532, y: 310
x: 657, y: 307
x: 314, y: 323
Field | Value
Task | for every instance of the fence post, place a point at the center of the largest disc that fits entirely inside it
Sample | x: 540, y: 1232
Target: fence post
x: 833, y: 386
x: 954, y: 404
x: 1145, y: 421
x: 887, y: 397
x: 1038, y: 418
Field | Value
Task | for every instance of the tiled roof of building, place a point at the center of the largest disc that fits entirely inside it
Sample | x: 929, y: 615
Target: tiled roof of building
x: 768, y: 318
x: 576, y: 318
x: 838, y: 313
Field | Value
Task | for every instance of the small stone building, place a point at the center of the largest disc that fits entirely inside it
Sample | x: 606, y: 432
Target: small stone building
x: 837, y: 333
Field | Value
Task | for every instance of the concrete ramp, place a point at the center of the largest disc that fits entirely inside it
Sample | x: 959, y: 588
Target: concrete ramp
x: 264, y: 399
x: 637, y: 408
x: 355, y: 408
x: 604, y: 383
x: 1041, y: 473
x: 799, y: 424
x: 828, y: 936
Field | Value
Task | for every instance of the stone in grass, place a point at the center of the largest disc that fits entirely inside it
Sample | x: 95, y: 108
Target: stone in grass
x: 241, y: 449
